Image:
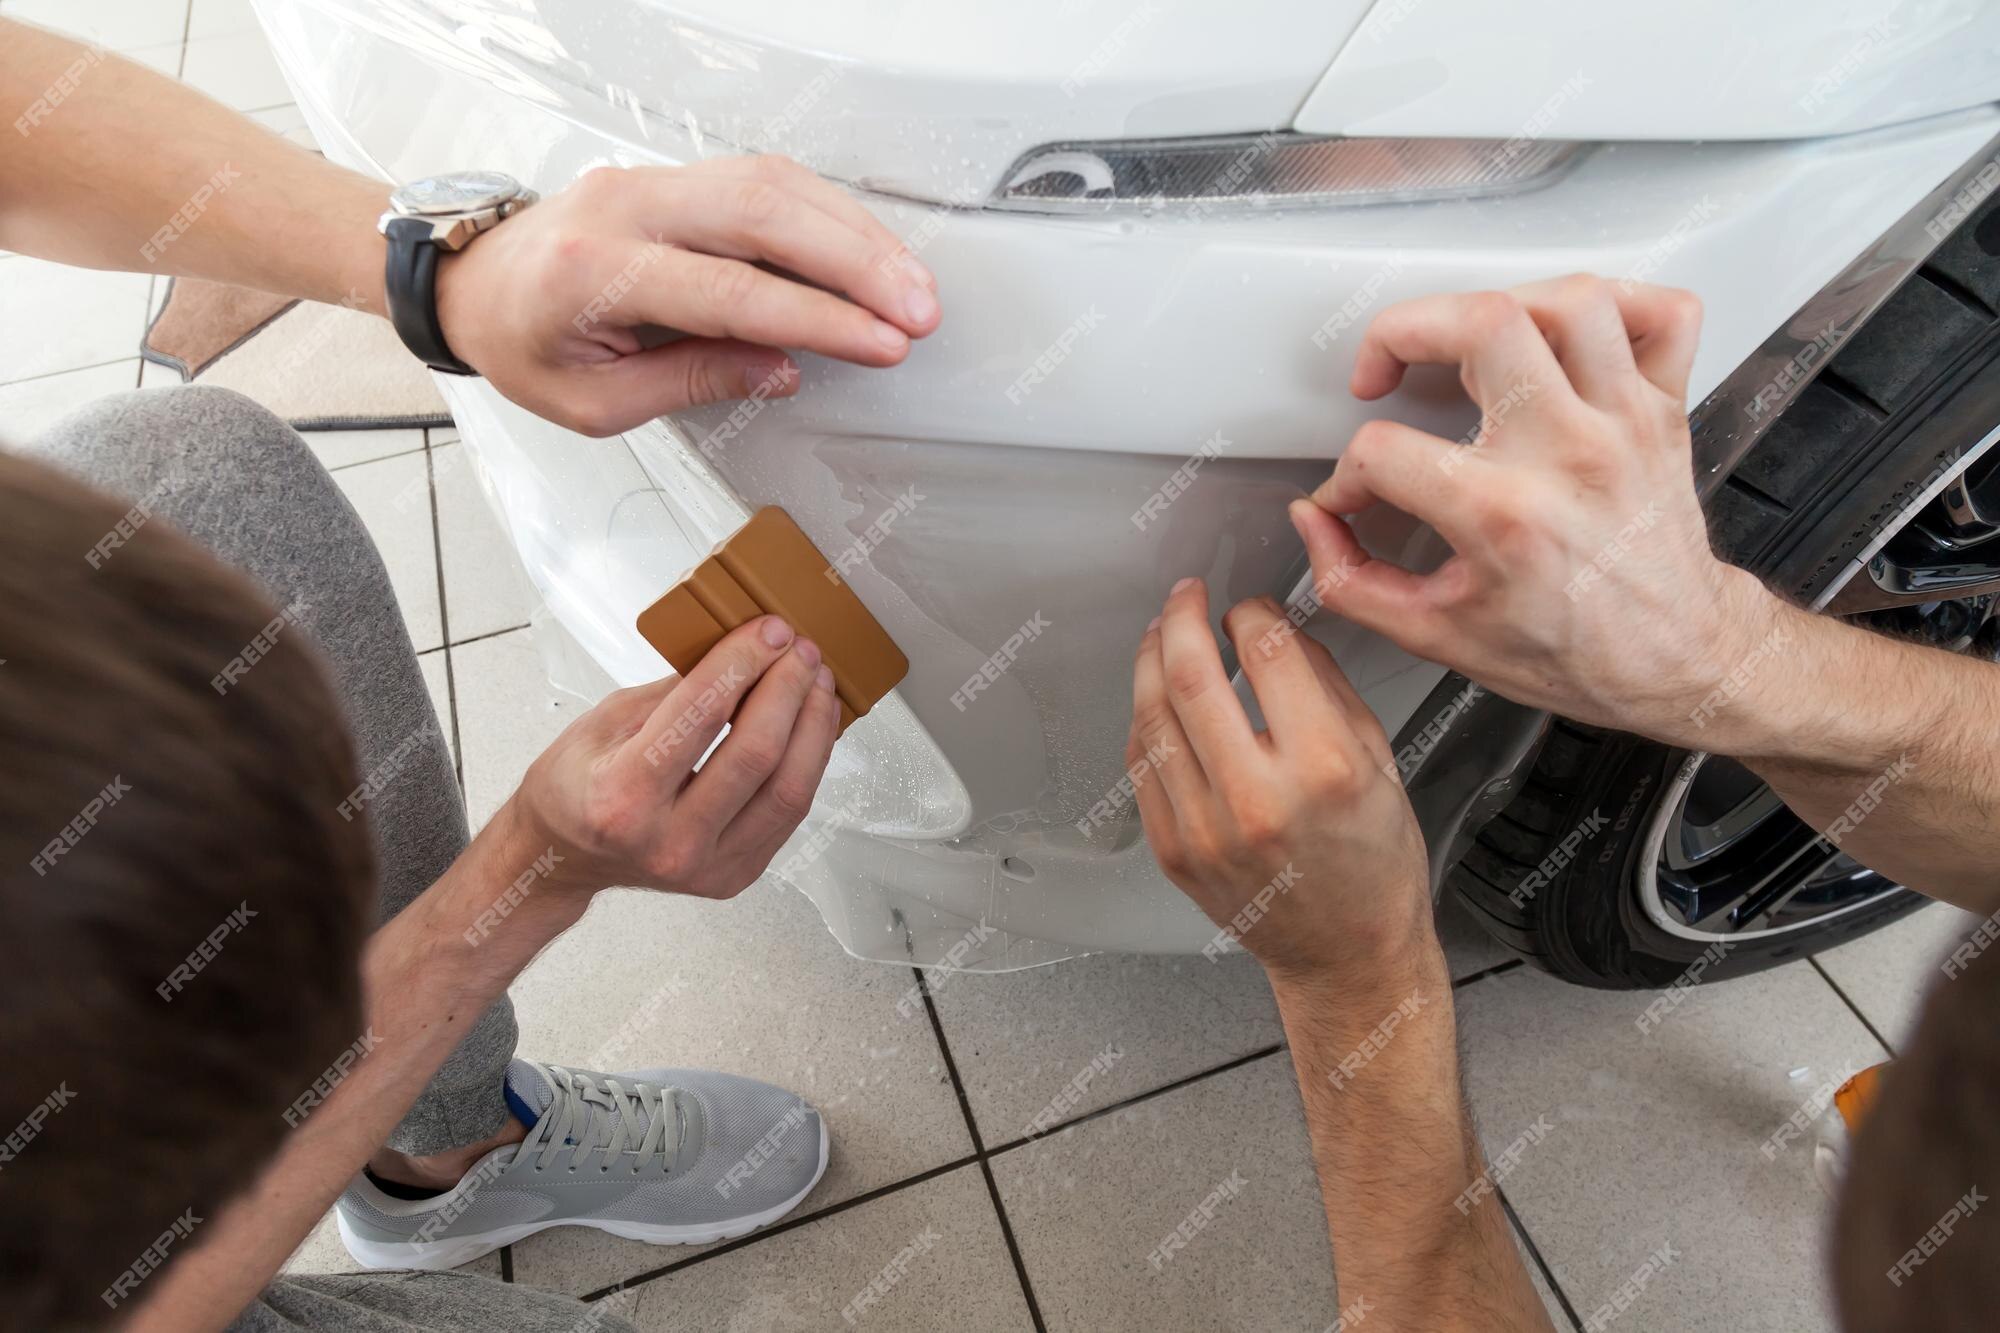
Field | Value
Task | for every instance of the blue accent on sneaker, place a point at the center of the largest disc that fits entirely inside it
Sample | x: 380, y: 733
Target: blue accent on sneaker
x: 518, y: 1105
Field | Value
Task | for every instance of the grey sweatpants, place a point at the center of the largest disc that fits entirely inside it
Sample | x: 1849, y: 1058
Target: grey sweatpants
x: 243, y: 483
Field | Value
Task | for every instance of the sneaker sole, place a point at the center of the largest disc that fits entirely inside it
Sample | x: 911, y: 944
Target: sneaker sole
x: 438, y: 1255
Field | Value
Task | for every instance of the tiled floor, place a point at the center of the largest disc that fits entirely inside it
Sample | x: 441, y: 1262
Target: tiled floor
x: 1654, y: 1139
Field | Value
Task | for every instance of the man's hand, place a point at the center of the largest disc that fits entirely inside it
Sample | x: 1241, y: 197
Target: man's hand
x: 554, y: 307
x: 1582, y: 579
x: 1299, y: 842
x: 1306, y: 810
x: 549, y: 305
x: 614, y: 796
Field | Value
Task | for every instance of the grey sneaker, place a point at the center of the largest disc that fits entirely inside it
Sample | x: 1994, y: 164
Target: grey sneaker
x: 666, y: 1156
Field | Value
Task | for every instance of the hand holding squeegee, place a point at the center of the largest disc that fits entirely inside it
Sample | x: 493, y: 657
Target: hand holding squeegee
x: 771, y: 566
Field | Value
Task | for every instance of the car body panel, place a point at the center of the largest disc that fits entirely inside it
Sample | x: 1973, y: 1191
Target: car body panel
x: 926, y: 100
x: 1693, y: 69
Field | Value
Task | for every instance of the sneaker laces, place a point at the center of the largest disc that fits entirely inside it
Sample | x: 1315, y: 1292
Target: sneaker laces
x: 601, y: 1115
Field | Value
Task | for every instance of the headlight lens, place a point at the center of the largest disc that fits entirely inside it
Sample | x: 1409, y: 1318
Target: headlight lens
x: 1260, y: 171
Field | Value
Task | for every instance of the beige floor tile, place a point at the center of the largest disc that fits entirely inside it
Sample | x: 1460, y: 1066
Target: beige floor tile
x: 507, y: 715
x: 924, y: 1258
x: 484, y: 584
x: 163, y: 59
x: 288, y: 121
x: 121, y: 25
x: 1091, y: 1206
x: 1887, y: 974
x: 55, y: 318
x: 392, y: 498
x: 754, y: 986
x: 1636, y: 1140
x: 345, y: 448
x: 213, y: 18
x: 1116, y: 1024
x: 32, y: 406
x: 236, y: 69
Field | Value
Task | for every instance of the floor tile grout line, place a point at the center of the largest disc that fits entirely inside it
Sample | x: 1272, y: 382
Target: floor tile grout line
x: 73, y: 370
x: 778, y: 1229
x: 444, y: 622
x: 793, y: 1223
x: 979, y: 1150
x: 1013, y: 1246
x: 1485, y: 972
x: 457, y: 741
x: 1535, y: 1253
x: 380, y: 458
x: 1853, y: 1007
x: 489, y: 634
x: 1138, y: 1097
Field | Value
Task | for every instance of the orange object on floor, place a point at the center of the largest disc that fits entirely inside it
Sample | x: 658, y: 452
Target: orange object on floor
x: 1856, y: 1097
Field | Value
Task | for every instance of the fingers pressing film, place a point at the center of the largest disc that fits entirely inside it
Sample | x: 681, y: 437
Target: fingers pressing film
x: 1295, y: 704
x: 1374, y: 594
x: 1487, y: 334
x: 1335, y: 682
x: 1416, y: 472
x: 729, y: 298
x: 829, y: 198
x: 636, y: 388
x: 1582, y: 325
x: 1159, y: 729
x: 753, y: 220
x: 1156, y: 809
x: 1198, y: 689
x: 1664, y: 324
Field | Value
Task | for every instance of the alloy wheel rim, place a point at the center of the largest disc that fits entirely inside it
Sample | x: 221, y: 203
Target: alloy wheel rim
x: 1724, y: 859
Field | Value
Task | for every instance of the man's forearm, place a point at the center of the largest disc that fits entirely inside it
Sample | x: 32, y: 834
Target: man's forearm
x: 1417, y: 1243
x: 1891, y: 749
x: 425, y: 981
x: 110, y: 165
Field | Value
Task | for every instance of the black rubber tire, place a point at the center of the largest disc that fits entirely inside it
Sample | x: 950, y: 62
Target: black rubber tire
x: 1912, y: 390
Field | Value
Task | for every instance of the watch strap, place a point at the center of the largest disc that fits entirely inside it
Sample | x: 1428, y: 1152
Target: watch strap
x: 411, y: 287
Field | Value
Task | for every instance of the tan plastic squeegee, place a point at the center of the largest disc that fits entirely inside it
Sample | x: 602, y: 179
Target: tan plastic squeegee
x: 770, y: 567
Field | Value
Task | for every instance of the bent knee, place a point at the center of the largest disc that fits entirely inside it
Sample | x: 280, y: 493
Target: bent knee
x: 145, y: 441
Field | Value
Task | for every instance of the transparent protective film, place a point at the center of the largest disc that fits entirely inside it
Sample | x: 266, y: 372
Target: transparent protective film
x: 925, y: 101
x: 982, y: 814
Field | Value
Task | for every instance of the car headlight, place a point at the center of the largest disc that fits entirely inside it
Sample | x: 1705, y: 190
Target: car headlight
x: 1265, y: 170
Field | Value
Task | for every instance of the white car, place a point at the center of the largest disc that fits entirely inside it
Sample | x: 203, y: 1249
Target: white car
x: 1159, y: 230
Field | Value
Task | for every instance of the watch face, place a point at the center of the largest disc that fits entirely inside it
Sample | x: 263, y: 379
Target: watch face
x: 459, y: 192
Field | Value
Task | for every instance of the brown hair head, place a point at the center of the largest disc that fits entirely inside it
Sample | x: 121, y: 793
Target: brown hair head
x: 183, y: 908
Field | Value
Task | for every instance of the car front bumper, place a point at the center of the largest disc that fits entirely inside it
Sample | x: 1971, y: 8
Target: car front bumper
x: 1110, y: 405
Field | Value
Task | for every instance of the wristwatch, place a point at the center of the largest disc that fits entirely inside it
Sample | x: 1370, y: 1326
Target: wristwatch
x: 425, y: 217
